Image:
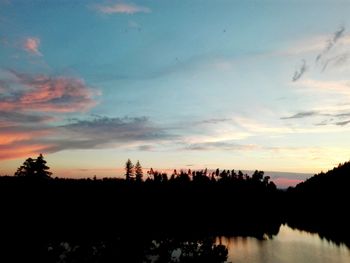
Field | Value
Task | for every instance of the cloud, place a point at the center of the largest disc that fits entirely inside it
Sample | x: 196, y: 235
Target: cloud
x: 342, y: 123
x: 331, y: 42
x: 299, y: 73
x: 146, y: 147
x: 96, y: 133
x: 12, y: 151
x: 122, y: 8
x: 29, y: 107
x: 18, y: 118
x: 22, y: 140
x: 325, y: 55
x: 44, y: 93
x: 102, y: 132
x: 10, y: 134
x: 31, y: 45
x: 220, y: 145
x: 300, y: 115
x: 215, y: 121
x: 332, y: 117
x: 342, y: 115
x: 336, y: 61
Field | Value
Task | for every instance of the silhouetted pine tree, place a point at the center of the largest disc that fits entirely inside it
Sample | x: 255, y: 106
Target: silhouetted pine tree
x: 138, y: 171
x: 34, y: 168
x: 129, y: 170
x: 42, y: 170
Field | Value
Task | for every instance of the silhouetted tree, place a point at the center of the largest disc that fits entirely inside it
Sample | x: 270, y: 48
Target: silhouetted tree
x: 26, y: 169
x: 240, y: 175
x: 41, y: 169
x: 217, y: 172
x: 138, y: 171
x: 258, y: 176
x: 34, y: 168
x: 129, y: 170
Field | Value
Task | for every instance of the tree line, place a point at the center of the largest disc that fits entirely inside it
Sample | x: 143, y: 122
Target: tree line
x: 135, y: 173
x: 37, y: 168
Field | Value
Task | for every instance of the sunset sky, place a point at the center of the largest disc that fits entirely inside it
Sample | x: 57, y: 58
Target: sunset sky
x: 175, y: 84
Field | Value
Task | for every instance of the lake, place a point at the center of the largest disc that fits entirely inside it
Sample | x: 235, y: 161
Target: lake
x: 289, y: 246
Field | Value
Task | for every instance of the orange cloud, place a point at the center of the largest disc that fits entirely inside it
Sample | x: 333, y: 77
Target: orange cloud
x: 31, y: 45
x: 26, y: 128
x: 51, y: 94
x: 11, y: 136
x: 10, y: 152
x: 7, y: 138
x: 18, y: 141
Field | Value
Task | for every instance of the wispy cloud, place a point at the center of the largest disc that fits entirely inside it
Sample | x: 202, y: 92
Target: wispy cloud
x: 12, y: 151
x: 31, y: 45
x: 325, y: 56
x: 19, y: 118
x: 342, y: 123
x: 122, y: 8
x: 300, y: 72
x: 93, y: 133
x: 106, y: 132
x: 146, y: 148
x: 337, y: 60
x: 221, y: 145
x: 331, y: 42
x: 300, y: 115
x: 214, y: 120
x: 19, y: 138
x: 46, y: 93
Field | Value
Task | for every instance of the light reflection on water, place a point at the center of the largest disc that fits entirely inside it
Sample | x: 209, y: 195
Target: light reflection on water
x: 289, y: 246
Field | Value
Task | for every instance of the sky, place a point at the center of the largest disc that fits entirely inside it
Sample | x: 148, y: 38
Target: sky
x: 175, y: 84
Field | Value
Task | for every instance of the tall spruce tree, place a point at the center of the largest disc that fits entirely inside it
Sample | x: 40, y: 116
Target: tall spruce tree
x: 129, y: 170
x: 138, y: 171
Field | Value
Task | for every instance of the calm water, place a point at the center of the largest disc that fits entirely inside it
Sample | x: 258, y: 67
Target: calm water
x: 289, y: 246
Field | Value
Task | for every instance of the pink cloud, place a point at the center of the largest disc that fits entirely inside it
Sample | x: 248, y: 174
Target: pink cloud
x: 10, y: 152
x: 123, y: 8
x: 31, y: 45
x: 25, y: 128
x: 17, y: 142
x: 49, y: 94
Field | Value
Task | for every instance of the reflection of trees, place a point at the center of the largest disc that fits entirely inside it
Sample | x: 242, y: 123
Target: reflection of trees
x: 319, y: 204
x: 192, y: 250
x: 138, y: 250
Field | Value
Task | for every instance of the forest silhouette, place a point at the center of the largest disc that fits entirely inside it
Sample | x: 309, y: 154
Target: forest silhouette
x: 148, y: 216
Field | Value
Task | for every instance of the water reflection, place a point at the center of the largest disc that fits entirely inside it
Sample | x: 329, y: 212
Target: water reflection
x: 289, y: 246
x: 167, y: 250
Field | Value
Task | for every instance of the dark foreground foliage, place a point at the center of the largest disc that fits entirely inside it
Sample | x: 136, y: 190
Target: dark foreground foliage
x: 320, y: 204
x: 160, y: 219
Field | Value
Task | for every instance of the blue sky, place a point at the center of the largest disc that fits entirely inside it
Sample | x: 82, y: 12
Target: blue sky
x: 176, y: 84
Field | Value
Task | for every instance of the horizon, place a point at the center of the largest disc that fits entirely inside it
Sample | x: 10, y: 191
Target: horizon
x: 282, y: 180
x: 195, y: 84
